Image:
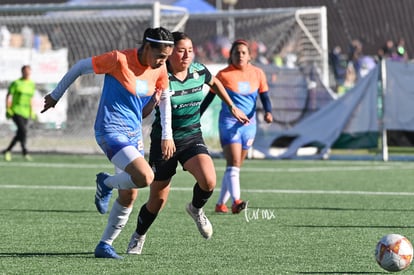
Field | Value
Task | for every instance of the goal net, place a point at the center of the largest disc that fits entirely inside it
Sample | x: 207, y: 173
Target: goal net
x: 51, y: 38
x: 287, y: 43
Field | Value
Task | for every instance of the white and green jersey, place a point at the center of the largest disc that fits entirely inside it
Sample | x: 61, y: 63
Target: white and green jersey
x: 186, y: 97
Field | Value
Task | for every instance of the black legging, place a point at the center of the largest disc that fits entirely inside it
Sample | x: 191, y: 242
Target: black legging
x: 21, y: 133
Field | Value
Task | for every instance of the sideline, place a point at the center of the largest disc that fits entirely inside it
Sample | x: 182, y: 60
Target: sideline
x: 316, y: 168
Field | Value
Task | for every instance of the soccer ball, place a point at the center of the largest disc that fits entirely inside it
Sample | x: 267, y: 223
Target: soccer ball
x: 394, y: 252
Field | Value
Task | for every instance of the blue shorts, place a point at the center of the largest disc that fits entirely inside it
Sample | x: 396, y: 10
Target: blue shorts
x: 234, y: 132
x: 121, y: 149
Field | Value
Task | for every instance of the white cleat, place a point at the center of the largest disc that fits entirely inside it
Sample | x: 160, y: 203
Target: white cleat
x: 202, y: 222
x: 136, y: 244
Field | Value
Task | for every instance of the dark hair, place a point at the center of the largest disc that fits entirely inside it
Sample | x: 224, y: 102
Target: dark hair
x: 235, y: 44
x: 158, y: 37
x: 24, y: 67
x: 179, y: 36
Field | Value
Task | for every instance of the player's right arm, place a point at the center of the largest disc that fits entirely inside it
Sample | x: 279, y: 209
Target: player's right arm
x: 83, y: 66
x: 167, y: 141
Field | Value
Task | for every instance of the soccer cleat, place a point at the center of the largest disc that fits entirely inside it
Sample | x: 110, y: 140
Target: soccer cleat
x: 28, y: 158
x: 202, y: 222
x: 103, y: 193
x: 7, y: 156
x: 104, y: 250
x: 238, y: 206
x: 221, y: 208
x: 136, y: 244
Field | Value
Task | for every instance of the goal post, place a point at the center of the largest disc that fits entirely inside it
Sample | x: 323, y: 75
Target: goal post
x: 299, y: 31
x: 314, y: 25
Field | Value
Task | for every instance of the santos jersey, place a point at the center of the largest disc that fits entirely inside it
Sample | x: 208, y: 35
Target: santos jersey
x: 186, y: 97
x: 243, y: 86
x: 128, y: 86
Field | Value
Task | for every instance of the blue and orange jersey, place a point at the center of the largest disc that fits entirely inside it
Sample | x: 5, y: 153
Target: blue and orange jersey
x: 243, y: 87
x: 128, y: 86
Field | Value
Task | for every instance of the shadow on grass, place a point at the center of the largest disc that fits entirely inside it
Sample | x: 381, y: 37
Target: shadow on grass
x: 336, y: 209
x: 43, y: 254
x: 340, y: 272
x: 350, y: 226
x: 48, y: 210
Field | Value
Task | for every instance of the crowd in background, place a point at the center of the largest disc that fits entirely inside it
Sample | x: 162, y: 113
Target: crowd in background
x: 217, y: 50
x: 348, y: 67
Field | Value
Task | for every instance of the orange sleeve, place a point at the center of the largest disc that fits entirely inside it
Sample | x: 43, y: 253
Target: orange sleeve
x: 105, y: 63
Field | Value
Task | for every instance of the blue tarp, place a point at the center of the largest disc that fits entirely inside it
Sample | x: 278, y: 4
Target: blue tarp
x: 195, y: 6
x: 354, y: 112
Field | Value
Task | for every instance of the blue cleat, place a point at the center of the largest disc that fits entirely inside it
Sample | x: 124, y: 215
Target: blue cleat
x: 103, y: 193
x: 104, y: 250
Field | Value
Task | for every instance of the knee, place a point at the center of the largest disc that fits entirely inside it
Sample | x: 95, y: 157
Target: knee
x: 208, y: 185
x: 148, y: 179
x: 144, y: 180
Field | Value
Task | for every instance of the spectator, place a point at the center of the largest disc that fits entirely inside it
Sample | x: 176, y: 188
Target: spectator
x: 349, y: 81
x: 387, y: 50
x: 355, y: 54
x: 400, y: 53
x: 338, y: 64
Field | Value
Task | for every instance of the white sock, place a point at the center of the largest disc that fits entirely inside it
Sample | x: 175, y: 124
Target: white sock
x: 120, y: 181
x: 224, y: 192
x: 234, y: 182
x: 116, y: 222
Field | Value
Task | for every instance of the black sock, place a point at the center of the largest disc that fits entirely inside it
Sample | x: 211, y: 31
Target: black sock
x: 145, y: 219
x: 200, y: 197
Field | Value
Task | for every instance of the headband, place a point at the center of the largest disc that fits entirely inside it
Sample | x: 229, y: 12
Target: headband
x: 159, y: 41
x: 241, y: 41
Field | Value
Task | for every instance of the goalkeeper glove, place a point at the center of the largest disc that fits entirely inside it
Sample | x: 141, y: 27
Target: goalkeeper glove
x: 9, y: 113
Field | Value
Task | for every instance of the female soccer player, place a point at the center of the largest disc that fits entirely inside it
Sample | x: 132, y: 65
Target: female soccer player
x: 186, y: 82
x: 132, y: 76
x: 244, y: 82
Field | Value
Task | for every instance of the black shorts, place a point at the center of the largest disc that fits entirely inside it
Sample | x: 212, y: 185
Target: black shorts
x: 165, y: 169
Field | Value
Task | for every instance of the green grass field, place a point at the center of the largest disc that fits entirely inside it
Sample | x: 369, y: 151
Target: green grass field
x: 304, y: 217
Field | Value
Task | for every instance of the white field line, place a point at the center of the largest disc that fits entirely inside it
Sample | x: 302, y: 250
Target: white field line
x: 190, y: 189
x: 318, y: 169
x: 245, y: 169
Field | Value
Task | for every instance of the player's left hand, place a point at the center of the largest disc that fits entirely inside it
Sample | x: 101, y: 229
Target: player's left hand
x: 268, y: 117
